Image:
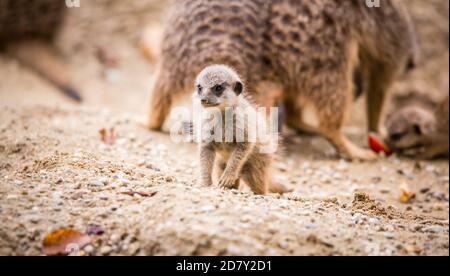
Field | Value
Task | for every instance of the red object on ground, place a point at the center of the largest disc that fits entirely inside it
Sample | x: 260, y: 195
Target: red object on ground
x: 377, y: 145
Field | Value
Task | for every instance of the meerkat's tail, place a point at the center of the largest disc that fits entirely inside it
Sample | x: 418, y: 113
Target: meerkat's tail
x: 278, y: 188
x: 39, y: 56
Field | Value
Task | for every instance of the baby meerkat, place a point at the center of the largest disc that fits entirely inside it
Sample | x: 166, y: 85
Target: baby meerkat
x: 220, y: 89
x: 310, y: 49
x: 418, y: 126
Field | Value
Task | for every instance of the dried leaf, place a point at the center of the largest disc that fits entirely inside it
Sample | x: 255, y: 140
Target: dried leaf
x: 64, y: 242
x: 107, y: 136
x: 95, y: 230
x: 406, y: 195
x: 413, y: 248
x: 143, y: 194
x: 106, y: 57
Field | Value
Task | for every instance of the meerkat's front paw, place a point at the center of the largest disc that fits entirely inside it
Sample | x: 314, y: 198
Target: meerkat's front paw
x: 227, y: 182
x: 351, y: 151
x: 362, y: 155
x: 206, y: 183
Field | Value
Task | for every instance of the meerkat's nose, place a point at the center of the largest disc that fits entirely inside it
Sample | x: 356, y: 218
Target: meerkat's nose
x: 204, y: 101
x: 412, y: 64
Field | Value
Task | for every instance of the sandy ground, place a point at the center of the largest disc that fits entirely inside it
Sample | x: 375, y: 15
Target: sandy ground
x: 56, y: 172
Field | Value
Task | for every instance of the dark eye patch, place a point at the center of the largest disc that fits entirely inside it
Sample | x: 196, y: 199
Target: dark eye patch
x: 218, y: 89
x: 199, y: 89
x: 418, y: 129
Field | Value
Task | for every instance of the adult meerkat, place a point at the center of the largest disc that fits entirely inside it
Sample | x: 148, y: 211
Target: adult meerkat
x: 219, y: 87
x: 419, y: 126
x: 27, y: 29
x: 309, y: 48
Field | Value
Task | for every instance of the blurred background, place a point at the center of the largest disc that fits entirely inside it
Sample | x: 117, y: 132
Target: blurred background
x: 100, y: 46
x: 140, y: 189
x: 108, y: 48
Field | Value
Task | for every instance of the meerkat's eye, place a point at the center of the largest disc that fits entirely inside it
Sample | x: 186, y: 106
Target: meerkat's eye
x: 418, y: 129
x: 199, y: 89
x: 218, y: 89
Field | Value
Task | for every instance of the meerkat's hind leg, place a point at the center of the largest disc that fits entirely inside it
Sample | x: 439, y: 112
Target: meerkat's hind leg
x: 43, y: 59
x: 346, y: 148
x: 256, y: 177
x: 161, y: 99
x: 278, y: 188
x: 331, y: 118
x: 380, y: 78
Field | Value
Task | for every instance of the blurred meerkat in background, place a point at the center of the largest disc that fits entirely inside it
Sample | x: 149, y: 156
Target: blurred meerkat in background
x: 419, y: 126
x: 27, y: 29
x: 310, y: 49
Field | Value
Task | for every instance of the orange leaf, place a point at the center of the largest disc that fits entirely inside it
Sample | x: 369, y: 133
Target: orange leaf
x: 64, y: 241
x: 406, y: 195
x: 107, y: 136
x: 106, y: 57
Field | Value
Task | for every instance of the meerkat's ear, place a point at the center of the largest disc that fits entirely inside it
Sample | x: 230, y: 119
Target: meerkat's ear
x: 238, y: 88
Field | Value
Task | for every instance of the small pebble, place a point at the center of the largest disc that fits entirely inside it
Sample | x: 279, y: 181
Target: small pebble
x: 18, y: 182
x: 114, y: 238
x: 356, y: 218
x: 89, y: 249
x: 96, y: 184
x: 105, y: 250
x: 207, y: 208
x: 433, y: 229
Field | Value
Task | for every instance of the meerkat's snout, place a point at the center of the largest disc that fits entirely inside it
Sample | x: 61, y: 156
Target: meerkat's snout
x: 212, y: 96
x: 409, y: 128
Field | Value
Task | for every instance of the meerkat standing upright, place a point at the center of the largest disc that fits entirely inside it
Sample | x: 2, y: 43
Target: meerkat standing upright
x: 221, y: 88
x: 309, y: 48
